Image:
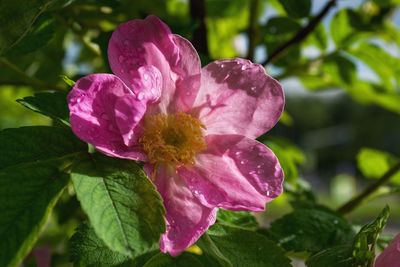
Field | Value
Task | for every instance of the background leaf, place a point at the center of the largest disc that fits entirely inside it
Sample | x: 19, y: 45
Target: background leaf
x: 183, y: 260
x: 375, y: 163
x: 17, y: 18
x: 87, y: 249
x: 53, y: 105
x: 242, y: 248
x: 310, y: 230
x: 32, y: 161
x: 297, y: 8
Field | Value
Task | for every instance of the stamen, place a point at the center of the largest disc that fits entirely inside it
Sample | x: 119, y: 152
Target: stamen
x: 173, y: 139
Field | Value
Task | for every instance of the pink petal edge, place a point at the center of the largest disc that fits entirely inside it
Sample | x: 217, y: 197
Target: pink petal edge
x: 390, y: 257
x: 149, y: 44
x: 235, y: 173
x: 238, y: 97
x: 186, y: 218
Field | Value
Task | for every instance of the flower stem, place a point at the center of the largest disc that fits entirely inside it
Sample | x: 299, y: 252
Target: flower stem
x: 253, y: 28
x: 354, y: 202
x: 26, y: 80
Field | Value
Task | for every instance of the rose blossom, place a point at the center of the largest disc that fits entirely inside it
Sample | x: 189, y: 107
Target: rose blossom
x: 390, y: 257
x: 194, y: 127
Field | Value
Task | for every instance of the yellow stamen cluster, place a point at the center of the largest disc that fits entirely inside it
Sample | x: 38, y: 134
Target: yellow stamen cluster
x: 172, y: 139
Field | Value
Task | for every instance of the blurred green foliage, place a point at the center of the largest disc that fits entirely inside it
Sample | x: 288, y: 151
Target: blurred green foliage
x: 342, y: 81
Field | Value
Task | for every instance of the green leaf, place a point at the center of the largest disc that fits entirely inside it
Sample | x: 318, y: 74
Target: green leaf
x: 320, y: 37
x: 241, y: 219
x: 88, y: 250
x: 365, y: 240
x: 311, y: 230
x: 237, y: 247
x: 183, y: 260
x: 382, y: 63
x: 375, y: 163
x: 297, y: 8
x: 122, y: 204
x: 338, y: 256
x: 360, y: 253
x: 277, y: 31
x: 41, y: 33
x: 67, y: 80
x: 53, y: 105
x: 17, y: 18
x: 32, y: 163
x: 31, y: 145
x: 347, y: 26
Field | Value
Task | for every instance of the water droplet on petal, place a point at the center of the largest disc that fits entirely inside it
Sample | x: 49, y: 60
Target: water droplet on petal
x: 140, y: 96
x: 146, y: 77
x: 120, y: 59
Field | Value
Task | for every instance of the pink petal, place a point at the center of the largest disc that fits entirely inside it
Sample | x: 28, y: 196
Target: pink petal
x: 390, y: 257
x: 129, y: 112
x: 238, y: 97
x: 186, y: 218
x: 149, y: 44
x: 92, y: 104
x: 235, y: 173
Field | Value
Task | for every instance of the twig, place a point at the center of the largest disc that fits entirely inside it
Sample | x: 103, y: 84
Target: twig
x: 252, y: 31
x: 353, y: 203
x: 302, y: 34
x: 198, y: 14
x: 26, y: 80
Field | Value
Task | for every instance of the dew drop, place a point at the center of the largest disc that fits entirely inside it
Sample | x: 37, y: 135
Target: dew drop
x: 140, y: 96
x: 78, y: 100
x: 252, y: 172
x: 243, y: 161
x: 243, y: 67
x: 222, y: 66
x: 146, y: 77
x: 238, y: 153
x: 120, y: 59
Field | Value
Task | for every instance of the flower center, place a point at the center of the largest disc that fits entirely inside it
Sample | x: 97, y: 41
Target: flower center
x: 173, y: 139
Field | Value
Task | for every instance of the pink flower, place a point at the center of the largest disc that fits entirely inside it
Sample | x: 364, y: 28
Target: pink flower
x: 390, y: 257
x: 194, y: 127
